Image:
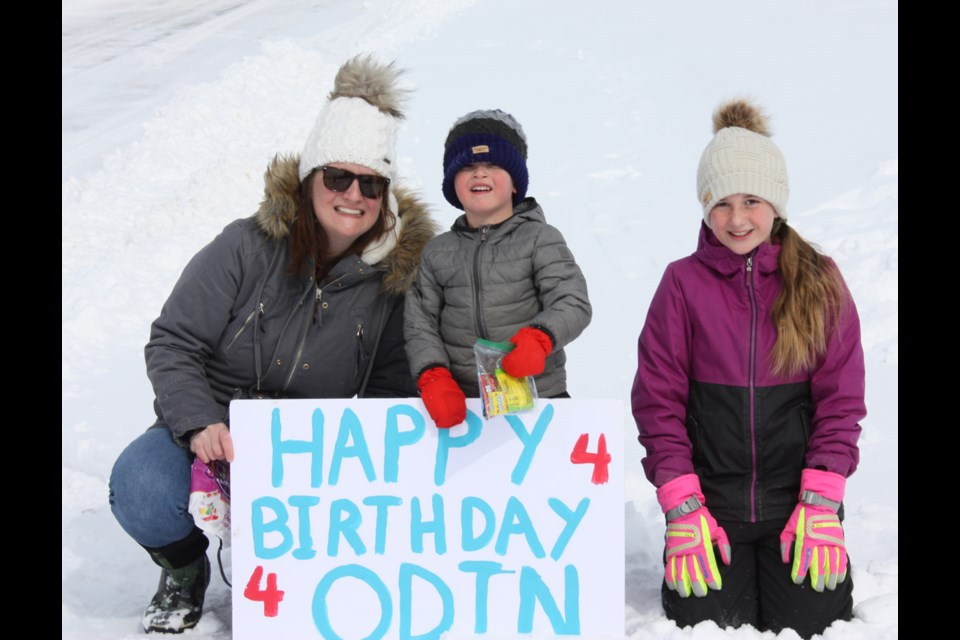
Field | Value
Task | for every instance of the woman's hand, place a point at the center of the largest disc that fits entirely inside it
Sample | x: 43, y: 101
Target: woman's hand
x: 212, y: 443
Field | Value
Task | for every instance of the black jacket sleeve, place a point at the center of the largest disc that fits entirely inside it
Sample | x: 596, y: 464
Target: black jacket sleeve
x: 390, y: 372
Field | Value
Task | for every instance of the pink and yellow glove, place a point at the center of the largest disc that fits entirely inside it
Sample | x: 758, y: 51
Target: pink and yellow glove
x: 529, y: 357
x: 691, y: 566
x: 443, y: 397
x: 815, y: 530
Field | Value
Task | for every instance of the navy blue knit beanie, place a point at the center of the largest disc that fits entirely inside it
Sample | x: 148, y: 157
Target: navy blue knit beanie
x: 486, y: 136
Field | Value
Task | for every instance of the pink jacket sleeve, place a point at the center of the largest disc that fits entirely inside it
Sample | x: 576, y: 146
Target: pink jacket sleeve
x: 659, y: 396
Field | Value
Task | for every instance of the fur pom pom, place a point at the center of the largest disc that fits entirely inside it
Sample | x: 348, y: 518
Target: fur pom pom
x: 743, y: 114
x: 364, y: 77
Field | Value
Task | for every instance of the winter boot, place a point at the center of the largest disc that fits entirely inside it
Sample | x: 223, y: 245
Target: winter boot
x: 178, y: 603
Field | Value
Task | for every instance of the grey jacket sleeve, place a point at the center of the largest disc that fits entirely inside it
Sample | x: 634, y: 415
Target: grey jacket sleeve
x: 189, y: 330
x: 424, y: 301
x: 561, y: 287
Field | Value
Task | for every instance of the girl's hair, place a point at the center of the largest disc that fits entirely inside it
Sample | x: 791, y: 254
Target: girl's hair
x: 308, y: 240
x: 809, y: 305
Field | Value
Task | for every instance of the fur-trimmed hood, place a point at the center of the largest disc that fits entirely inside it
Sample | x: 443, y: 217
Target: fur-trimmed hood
x: 397, y: 252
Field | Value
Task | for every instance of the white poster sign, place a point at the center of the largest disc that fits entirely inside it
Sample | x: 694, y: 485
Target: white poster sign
x: 360, y: 519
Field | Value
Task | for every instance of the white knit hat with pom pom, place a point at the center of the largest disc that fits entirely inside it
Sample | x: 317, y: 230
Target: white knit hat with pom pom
x: 359, y: 123
x: 741, y: 158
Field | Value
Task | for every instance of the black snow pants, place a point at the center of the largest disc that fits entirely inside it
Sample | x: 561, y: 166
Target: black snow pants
x: 758, y: 590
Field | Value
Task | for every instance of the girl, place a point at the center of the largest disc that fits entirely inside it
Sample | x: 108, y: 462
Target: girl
x: 748, y: 398
x: 304, y: 299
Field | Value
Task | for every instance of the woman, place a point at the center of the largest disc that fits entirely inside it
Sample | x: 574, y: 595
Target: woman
x: 303, y: 299
x: 748, y: 398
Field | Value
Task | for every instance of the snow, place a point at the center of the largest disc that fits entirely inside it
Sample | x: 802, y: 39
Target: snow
x: 172, y: 109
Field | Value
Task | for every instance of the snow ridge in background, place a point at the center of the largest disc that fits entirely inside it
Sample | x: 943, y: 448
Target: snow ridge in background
x: 171, y: 112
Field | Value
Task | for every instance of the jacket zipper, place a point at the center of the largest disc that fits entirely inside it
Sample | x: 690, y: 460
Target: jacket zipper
x: 751, y: 385
x: 303, y: 336
x: 317, y: 309
x: 481, y: 328
x: 243, y: 327
x: 357, y: 372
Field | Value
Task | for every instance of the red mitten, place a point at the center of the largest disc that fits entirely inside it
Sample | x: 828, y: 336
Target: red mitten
x: 442, y: 397
x: 530, y: 354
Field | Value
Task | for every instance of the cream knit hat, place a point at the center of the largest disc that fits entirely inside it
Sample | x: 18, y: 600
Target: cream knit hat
x: 360, y: 120
x: 741, y: 158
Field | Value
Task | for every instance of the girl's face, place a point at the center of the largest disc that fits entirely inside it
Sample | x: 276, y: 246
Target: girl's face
x: 486, y: 193
x: 344, y: 215
x: 742, y: 222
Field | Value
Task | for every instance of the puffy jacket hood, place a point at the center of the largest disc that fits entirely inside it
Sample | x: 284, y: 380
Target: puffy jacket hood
x: 397, y: 253
x: 527, y: 210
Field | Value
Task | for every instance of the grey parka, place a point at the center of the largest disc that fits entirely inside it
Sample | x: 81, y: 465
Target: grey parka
x: 488, y: 283
x: 237, y: 325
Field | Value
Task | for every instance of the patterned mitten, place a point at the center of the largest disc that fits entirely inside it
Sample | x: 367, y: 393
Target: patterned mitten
x: 691, y: 566
x: 815, y: 530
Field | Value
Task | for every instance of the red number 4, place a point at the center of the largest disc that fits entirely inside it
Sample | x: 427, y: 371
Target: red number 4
x: 270, y: 597
x: 600, y: 460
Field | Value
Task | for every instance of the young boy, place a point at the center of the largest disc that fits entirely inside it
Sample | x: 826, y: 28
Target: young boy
x: 501, y: 273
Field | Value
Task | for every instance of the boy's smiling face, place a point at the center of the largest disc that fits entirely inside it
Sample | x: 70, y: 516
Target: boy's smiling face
x: 486, y: 193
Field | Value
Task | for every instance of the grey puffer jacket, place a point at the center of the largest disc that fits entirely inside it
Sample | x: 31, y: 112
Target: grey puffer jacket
x: 238, y: 326
x: 488, y: 283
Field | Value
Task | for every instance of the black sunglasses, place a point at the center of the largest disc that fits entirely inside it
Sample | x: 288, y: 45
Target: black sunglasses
x: 337, y: 179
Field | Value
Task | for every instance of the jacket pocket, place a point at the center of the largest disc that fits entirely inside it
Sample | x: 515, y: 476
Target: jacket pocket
x: 791, y: 432
x: 805, y: 419
x: 238, y: 333
x: 361, y: 351
x: 693, y: 432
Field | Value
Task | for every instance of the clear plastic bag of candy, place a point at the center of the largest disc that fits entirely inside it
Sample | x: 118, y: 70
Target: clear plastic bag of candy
x: 501, y: 393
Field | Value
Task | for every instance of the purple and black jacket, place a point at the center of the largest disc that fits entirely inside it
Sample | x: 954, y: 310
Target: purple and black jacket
x: 706, y: 401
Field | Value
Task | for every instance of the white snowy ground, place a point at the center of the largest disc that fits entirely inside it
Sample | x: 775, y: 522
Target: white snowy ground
x: 172, y: 109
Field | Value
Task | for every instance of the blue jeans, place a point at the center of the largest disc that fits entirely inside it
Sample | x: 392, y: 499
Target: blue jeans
x: 150, y: 490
